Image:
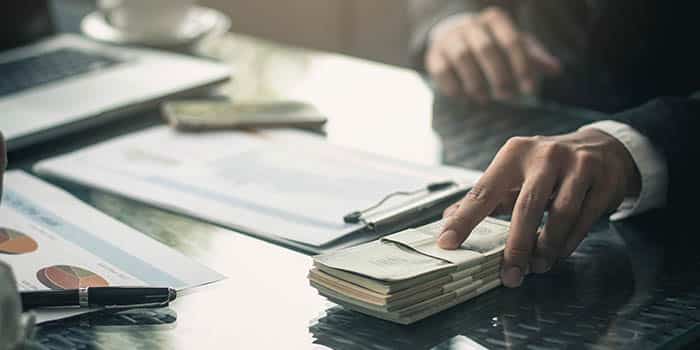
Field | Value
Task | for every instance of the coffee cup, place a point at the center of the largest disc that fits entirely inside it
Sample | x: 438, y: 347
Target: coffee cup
x: 150, y: 18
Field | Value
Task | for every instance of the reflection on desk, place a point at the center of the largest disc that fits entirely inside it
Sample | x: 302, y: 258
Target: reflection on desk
x: 623, y: 288
x: 94, y: 329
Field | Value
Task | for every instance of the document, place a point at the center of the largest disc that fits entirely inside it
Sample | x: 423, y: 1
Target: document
x: 287, y: 185
x: 54, y: 241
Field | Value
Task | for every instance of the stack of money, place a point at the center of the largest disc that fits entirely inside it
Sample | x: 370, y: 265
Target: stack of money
x: 405, y: 277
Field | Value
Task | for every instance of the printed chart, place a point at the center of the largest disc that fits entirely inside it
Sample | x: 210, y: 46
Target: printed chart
x: 14, y: 242
x: 59, y: 277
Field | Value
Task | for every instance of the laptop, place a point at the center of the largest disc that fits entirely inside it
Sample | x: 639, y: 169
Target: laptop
x: 54, y: 84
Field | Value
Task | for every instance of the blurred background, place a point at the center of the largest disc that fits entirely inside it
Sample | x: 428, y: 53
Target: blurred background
x: 377, y: 30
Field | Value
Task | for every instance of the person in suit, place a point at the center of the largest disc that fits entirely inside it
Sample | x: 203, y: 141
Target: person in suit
x: 634, y: 60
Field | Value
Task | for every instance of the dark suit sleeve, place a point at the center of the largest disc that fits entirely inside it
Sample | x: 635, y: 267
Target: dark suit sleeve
x: 672, y: 125
x: 425, y: 14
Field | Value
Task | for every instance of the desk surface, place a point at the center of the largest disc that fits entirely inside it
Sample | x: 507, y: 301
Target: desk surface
x: 622, y: 288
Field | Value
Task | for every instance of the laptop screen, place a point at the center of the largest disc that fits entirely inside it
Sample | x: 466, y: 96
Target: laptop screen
x: 24, y: 21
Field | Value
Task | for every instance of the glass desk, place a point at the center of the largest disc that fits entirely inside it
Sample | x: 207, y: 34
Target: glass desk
x: 625, y: 287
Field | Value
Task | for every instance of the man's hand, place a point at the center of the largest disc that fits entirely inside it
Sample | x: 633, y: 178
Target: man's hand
x: 576, y: 177
x: 485, y: 57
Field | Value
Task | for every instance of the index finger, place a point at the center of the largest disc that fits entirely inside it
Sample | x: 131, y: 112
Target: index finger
x: 479, y: 202
x: 488, y: 192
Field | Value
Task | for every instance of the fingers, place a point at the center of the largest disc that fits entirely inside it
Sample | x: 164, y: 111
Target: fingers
x: 486, y: 57
x: 563, y: 215
x: 511, y: 42
x: 527, y: 215
x: 493, y: 187
x: 594, y: 206
x: 474, y: 207
x: 441, y: 71
x: 589, y: 174
x: 600, y: 197
x: 491, y: 60
x: 505, y: 206
x: 545, y: 62
x: 450, y: 210
x: 464, y: 63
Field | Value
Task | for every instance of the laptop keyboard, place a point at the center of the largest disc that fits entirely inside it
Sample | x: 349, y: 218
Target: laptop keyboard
x: 29, y: 72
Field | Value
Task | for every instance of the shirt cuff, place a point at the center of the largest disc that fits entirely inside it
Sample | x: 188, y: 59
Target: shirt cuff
x: 650, y: 163
x: 446, y: 24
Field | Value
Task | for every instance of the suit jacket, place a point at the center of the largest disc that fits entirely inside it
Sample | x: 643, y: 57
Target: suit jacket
x: 636, y: 60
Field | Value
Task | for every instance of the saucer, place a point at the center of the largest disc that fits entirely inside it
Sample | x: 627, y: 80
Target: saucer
x: 200, y: 22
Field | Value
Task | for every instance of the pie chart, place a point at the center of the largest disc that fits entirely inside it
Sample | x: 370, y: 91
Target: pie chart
x: 14, y: 242
x: 60, y: 277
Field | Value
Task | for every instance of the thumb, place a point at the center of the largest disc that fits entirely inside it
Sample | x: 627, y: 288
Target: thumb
x: 547, y: 63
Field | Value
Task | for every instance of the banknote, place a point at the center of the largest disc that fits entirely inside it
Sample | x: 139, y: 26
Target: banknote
x: 405, y: 277
x: 373, y: 297
x: 413, y: 253
x: 393, y: 303
x: 424, y: 309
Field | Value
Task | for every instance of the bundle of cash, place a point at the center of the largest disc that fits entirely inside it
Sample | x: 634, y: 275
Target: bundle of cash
x: 405, y: 277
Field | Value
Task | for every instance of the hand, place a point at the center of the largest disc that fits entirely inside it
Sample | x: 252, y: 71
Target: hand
x: 576, y: 177
x: 485, y: 57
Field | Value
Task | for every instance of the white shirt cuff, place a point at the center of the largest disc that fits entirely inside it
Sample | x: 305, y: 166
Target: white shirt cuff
x: 650, y: 163
x: 446, y: 24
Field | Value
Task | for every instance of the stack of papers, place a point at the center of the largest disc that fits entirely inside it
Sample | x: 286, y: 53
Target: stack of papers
x: 282, y: 185
x: 53, y: 241
x: 406, y: 277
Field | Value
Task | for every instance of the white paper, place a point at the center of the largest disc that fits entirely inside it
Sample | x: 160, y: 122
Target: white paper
x: 285, y: 184
x: 45, y: 232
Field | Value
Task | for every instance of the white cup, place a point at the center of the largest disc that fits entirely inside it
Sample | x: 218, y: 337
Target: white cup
x: 156, y: 18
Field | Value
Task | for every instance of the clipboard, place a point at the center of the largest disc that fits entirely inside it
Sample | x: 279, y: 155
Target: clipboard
x: 286, y: 186
x: 393, y: 221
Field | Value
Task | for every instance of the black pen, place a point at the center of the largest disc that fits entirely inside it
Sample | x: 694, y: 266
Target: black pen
x: 101, y: 297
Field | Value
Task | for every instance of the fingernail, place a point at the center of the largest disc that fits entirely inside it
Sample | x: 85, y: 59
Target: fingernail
x: 447, y: 239
x: 512, y: 276
x: 540, y: 265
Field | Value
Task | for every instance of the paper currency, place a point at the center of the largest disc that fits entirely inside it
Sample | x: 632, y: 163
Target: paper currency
x: 406, y: 277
